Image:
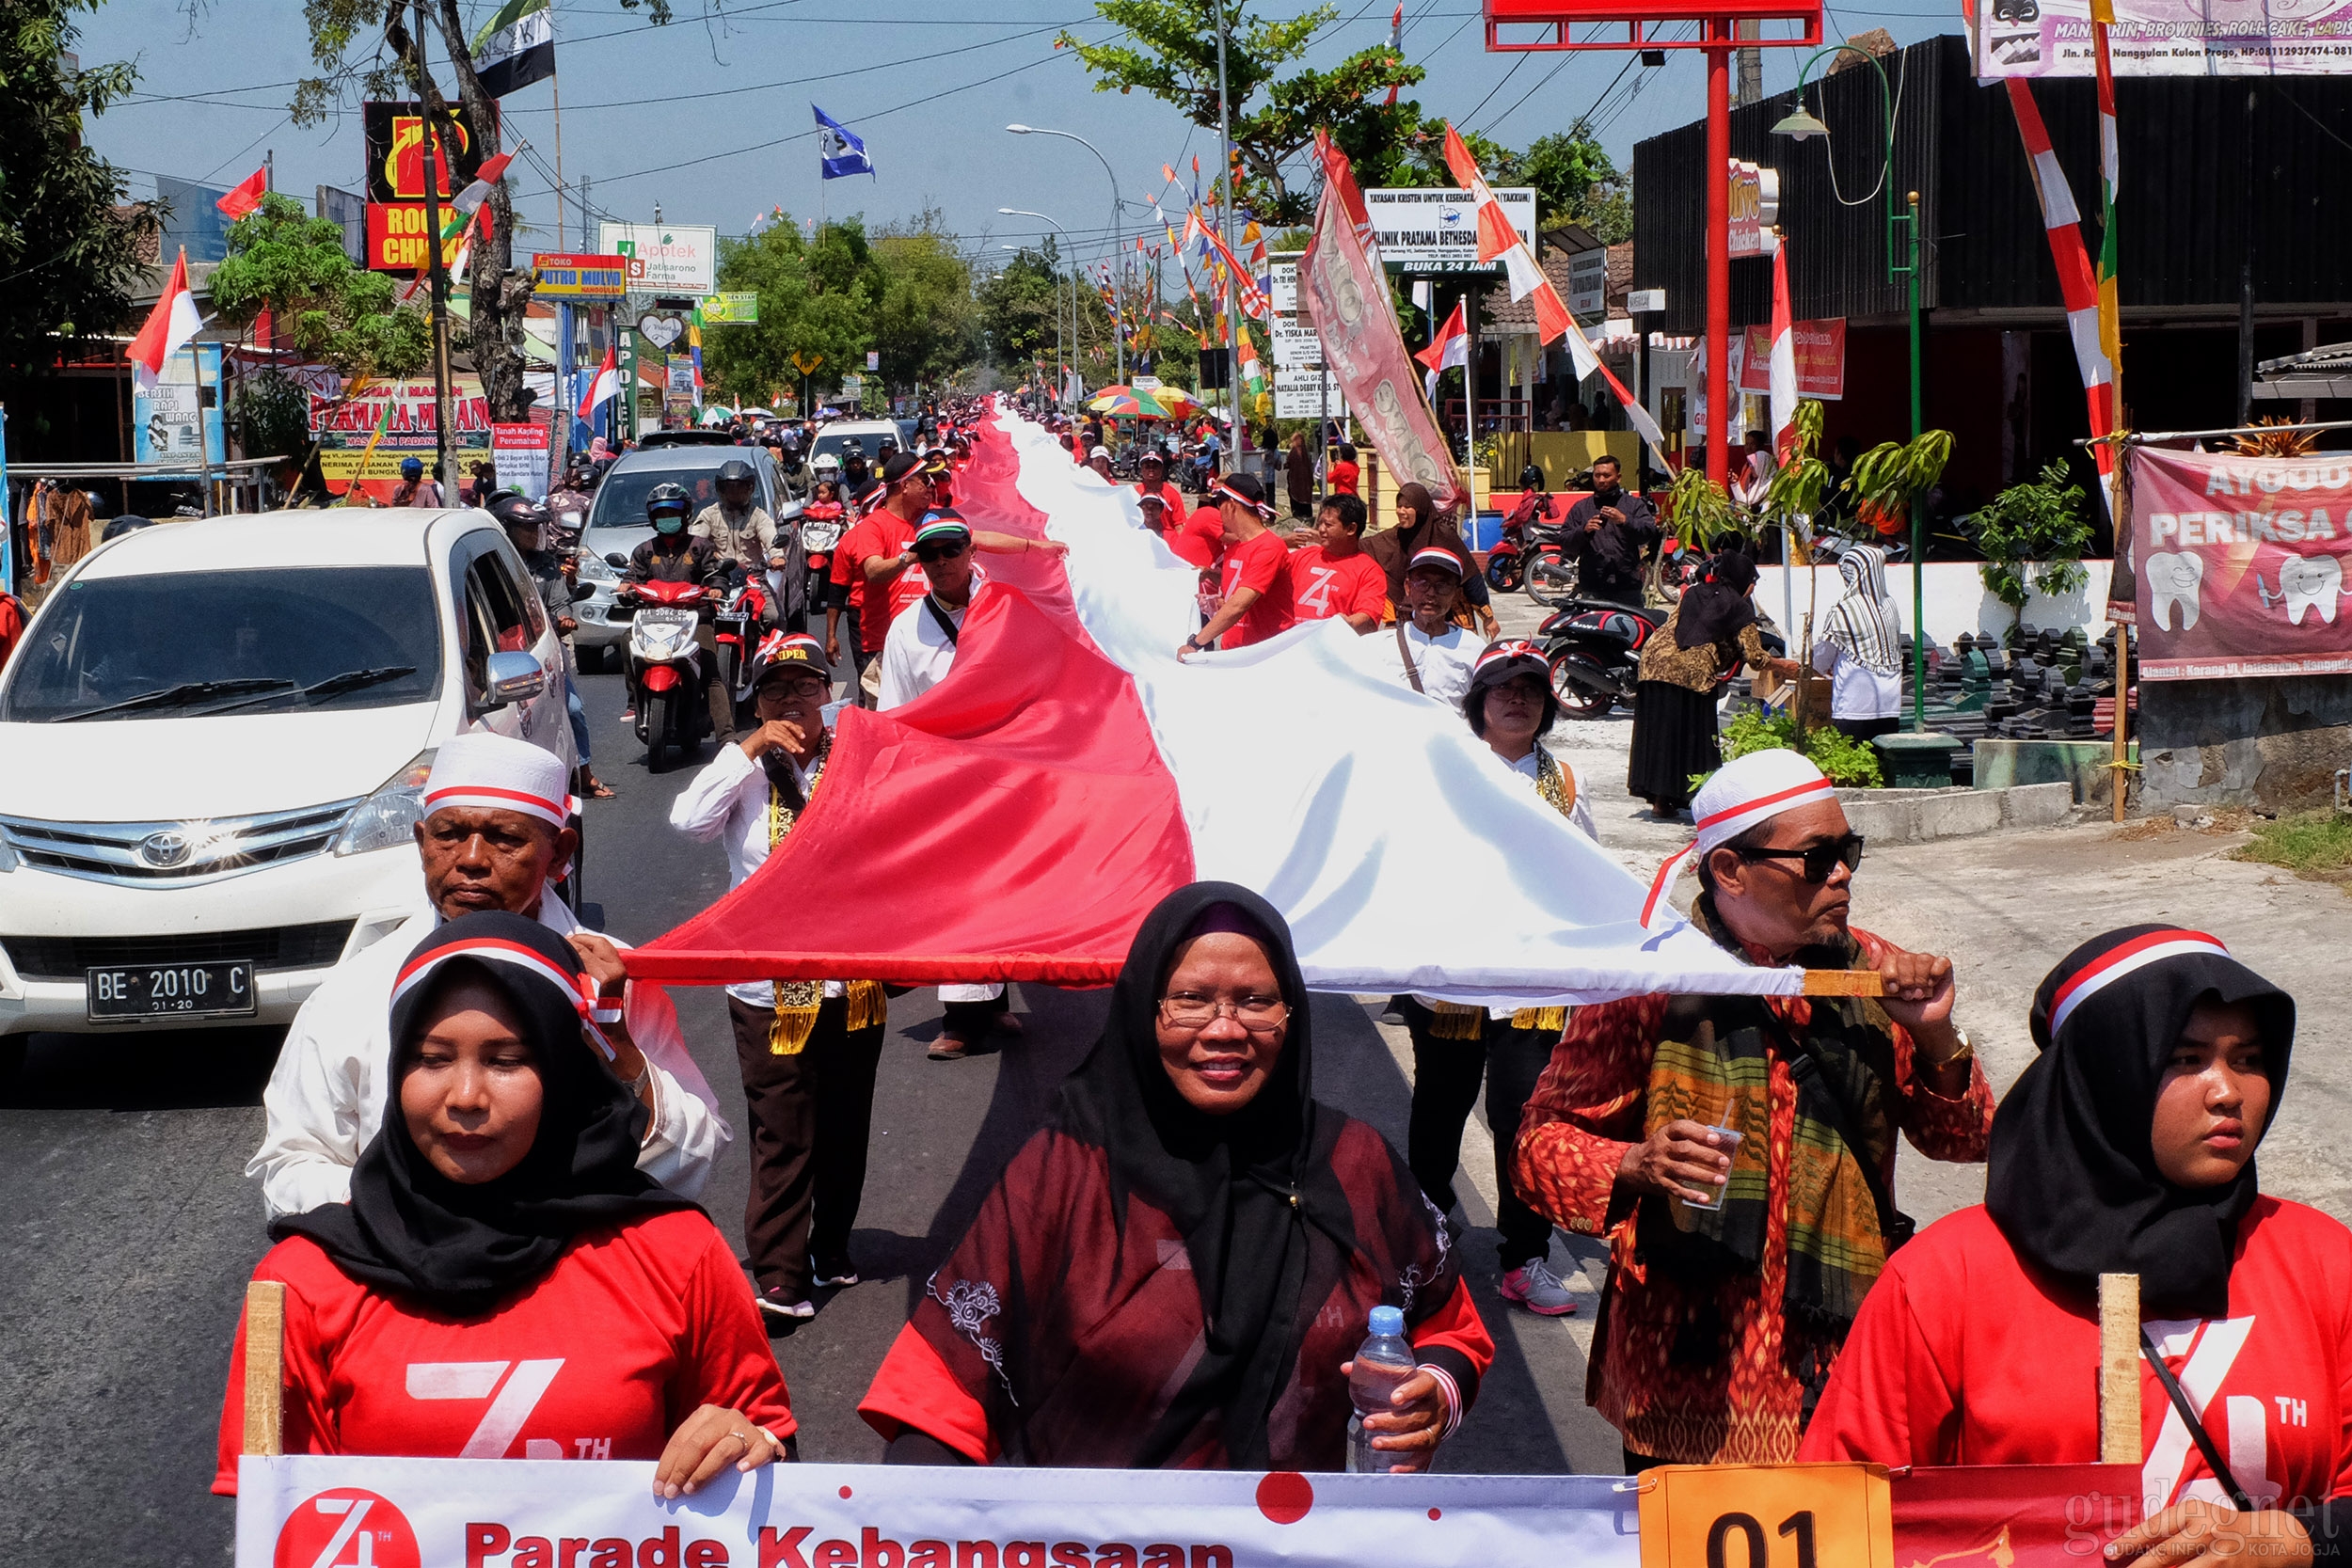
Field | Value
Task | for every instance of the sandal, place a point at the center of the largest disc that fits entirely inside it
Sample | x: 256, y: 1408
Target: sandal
x: 949, y: 1048
x: 598, y: 789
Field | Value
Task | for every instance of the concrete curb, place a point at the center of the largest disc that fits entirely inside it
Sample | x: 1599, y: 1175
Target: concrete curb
x: 1889, y: 816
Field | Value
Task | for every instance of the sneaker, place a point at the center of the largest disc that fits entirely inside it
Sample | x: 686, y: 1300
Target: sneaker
x: 834, y: 1272
x: 774, y: 1304
x: 1533, y: 1286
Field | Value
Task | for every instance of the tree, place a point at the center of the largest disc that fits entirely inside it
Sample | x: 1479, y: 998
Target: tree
x: 295, y: 268
x: 815, y: 299
x: 70, y: 243
x: 1173, y: 55
x: 1019, y: 308
x: 2033, y: 536
x: 1575, y: 178
x: 925, y: 320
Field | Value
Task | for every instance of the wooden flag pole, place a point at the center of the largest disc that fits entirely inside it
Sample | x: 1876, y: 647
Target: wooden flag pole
x: 265, y: 1367
x: 2119, y: 1370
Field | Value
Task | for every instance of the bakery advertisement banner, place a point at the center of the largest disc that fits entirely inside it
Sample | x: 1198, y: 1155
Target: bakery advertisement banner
x: 2163, y: 38
x: 2241, y: 564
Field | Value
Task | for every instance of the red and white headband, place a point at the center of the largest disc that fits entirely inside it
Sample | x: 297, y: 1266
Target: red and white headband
x: 1743, y: 793
x: 591, y: 1007
x: 2113, y: 965
x: 1225, y: 491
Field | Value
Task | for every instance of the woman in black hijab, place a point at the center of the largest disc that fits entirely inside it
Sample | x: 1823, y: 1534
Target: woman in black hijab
x: 1174, y: 1270
x: 502, y: 1207
x: 2127, y: 1146
x: 1712, y: 629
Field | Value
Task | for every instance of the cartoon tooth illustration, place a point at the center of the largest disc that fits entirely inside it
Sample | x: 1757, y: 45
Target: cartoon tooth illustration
x: 2174, y: 579
x: 2310, y: 582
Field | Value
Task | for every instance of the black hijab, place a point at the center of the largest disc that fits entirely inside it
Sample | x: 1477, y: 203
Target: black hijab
x: 459, y: 1247
x: 1718, y: 610
x: 2073, y: 1182
x: 1250, y: 1191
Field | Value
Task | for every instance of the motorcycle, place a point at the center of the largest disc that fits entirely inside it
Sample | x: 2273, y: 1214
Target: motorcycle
x: 665, y: 666
x: 1530, y: 530
x: 822, y: 528
x: 741, y: 615
x: 1595, y: 650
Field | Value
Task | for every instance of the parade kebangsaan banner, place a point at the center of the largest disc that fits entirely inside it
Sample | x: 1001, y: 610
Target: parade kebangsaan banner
x: 2240, y: 564
x: 311, y: 1511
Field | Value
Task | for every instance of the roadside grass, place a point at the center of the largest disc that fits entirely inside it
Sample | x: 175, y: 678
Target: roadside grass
x: 2316, y: 845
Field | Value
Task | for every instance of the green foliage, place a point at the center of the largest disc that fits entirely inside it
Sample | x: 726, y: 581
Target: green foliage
x: 1169, y: 49
x: 925, y: 320
x: 295, y: 268
x: 273, y: 411
x: 816, y: 300
x: 1799, y: 484
x: 1020, y: 306
x: 2032, y: 536
x: 2317, y: 845
x: 1700, y: 511
x: 1841, y: 758
x: 345, y: 39
x: 71, y: 259
x: 1893, y: 476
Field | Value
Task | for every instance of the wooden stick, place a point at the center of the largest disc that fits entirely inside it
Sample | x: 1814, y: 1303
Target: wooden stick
x: 1844, y: 982
x: 2119, y: 1370
x: 265, y: 1367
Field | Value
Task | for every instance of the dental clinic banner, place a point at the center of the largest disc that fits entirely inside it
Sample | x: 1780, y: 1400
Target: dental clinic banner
x: 2240, y: 564
x: 335, y: 1512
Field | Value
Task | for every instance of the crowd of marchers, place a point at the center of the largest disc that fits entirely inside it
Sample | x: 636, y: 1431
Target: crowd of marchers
x: 483, y: 1140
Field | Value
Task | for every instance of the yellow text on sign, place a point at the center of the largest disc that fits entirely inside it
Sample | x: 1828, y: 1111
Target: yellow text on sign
x: 1767, y: 1516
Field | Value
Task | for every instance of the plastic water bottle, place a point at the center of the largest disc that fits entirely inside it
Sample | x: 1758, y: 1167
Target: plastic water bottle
x: 1384, y: 1360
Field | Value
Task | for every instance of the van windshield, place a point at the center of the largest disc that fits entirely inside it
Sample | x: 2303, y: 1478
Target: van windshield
x: 282, y: 639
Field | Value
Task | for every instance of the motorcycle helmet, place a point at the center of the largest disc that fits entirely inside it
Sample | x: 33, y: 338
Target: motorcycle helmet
x: 125, y: 522
x: 666, y: 506
x: 1531, y: 477
x: 412, y: 469
x: 827, y: 467
x: 1501, y: 663
x: 735, y: 472
x: 852, y: 447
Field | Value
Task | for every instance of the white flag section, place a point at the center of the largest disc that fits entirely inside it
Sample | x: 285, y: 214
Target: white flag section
x: 307, y: 1511
x: 1405, y: 854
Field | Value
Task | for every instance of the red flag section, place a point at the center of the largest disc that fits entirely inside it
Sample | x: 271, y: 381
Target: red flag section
x: 1015, y: 823
x: 2012, y: 1515
x: 244, y: 198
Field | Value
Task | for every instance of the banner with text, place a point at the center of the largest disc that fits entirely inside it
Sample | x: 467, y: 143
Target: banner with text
x: 1821, y: 359
x: 364, y: 436
x: 303, y: 1511
x: 2240, y: 564
x: 2165, y: 38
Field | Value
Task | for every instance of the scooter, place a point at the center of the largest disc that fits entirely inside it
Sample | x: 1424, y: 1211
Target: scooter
x: 1530, y: 533
x: 665, y: 666
x: 822, y: 527
x: 742, y: 611
x: 1595, y: 650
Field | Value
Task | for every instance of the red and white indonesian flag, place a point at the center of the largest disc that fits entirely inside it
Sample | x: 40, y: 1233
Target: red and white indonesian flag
x: 170, y: 328
x: 606, y: 385
x: 475, y: 193
x: 243, y: 198
x: 1018, y: 820
x: 1498, y: 241
x: 1784, y: 383
x: 1448, y: 350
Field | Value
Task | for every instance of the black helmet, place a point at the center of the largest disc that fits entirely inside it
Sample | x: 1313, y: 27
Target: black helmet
x: 1531, y: 477
x: 735, y: 472
x: 668, y: 501
x: 889, y: 444
x: 123, y: 523
x: 513, y: 509
x: 852, y: 447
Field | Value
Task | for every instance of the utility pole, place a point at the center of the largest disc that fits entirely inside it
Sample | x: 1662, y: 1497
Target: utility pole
x: 432, y: 102
x: 1233, y: 291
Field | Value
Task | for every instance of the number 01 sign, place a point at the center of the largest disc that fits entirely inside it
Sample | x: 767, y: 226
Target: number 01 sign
x: 1767, y: 1516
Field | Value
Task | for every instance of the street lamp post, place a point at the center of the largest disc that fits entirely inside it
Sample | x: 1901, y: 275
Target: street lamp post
x: 1800, y: 124
x: 1024, y: 213
x: 1059, y: 349
x: 1118, y: 233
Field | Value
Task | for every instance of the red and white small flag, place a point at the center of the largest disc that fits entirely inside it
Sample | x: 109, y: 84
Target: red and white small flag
x: 1448, y: 350
x: 170, y: 328
x: 607, y: 383
x: 473, y: 196
x: 246, y: 198
x: 1784, y: 362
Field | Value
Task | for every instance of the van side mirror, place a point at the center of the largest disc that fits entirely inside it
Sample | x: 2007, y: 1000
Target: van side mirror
x: 615, y: 558
x: 514, y: 677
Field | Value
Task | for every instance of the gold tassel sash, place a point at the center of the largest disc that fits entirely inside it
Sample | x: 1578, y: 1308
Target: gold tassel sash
x: 799, y: 1002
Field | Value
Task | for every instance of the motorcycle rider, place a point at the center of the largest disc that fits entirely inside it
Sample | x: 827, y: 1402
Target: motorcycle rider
x: 554, y: 573
x: 857, y: 480
x: 746, y: 534
x: 1609, y: 534
x: 674, y: 555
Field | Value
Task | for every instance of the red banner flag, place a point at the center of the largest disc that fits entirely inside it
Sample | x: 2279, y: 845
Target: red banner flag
x: 1346, y: 296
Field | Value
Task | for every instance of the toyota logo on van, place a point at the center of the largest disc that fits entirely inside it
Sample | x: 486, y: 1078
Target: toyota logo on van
x: 166, y: 850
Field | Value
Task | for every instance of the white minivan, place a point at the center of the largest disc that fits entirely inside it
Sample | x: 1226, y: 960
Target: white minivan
x: 213, y: 742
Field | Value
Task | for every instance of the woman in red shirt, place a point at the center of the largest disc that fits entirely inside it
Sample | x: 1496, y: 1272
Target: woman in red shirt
x: 2128, y: 1147
x: 1174, y: 1270
x: 504, y: 1282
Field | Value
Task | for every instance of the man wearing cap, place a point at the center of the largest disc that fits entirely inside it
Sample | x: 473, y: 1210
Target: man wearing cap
x: 1739, y: 1152
x: 920, y: 651
x: 1426, y: 650
x: 1254, y: 574
x: 808, y: 1049
x: 492, y: 837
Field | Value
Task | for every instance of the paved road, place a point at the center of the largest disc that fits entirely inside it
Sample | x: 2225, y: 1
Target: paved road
x: 128, y: 1230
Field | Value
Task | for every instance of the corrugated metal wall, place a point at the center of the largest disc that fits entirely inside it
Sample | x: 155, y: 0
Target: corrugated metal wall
x: 2185, y: 205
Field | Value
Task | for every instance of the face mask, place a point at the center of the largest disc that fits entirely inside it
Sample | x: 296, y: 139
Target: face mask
x: 669, y: 525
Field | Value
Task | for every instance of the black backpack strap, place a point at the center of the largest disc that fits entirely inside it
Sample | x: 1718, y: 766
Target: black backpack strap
x: 2179, y: 1396
x: 947, y: 625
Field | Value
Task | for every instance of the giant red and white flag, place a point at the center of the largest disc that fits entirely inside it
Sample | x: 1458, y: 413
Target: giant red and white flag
x: 170, y: 328
x: 1018, y: 820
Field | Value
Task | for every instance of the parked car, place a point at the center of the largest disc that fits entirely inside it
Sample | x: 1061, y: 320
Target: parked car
x: 868, y: 434
x: 218, y: 735
x: 616, y: 525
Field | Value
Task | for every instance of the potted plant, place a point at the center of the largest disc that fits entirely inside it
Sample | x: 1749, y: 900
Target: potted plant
x: 2032, y: 536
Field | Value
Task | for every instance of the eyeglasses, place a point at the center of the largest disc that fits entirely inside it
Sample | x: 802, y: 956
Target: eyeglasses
x: 804, y: 688
x: 1819, y: 859
x: 1260, y: 1015
x: 931, y: 555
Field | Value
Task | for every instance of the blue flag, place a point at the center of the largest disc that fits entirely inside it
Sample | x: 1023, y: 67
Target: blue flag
x: 839, y: 150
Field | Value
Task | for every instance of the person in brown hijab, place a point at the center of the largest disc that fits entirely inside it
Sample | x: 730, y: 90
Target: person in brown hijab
x: 1418, y: 527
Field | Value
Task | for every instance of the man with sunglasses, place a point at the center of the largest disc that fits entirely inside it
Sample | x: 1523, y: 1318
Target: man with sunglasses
x: 1740, y: 1151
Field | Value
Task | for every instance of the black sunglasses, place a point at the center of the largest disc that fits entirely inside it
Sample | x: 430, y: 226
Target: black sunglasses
x: 1819, y: 859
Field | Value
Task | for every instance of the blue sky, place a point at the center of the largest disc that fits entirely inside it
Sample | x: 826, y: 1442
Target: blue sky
x: 679, y: 114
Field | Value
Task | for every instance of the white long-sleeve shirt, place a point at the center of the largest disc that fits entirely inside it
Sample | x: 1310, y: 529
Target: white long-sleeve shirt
x: 325, y: 1096
x: 916, y: 655
x: 728, y: 801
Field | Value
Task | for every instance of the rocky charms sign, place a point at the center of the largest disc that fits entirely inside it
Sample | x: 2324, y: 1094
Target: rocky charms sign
x: 320, y: 1512
x: 2240, y: 564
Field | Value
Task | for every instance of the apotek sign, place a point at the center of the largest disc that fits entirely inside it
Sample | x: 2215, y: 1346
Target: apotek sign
x: 666, y: 258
